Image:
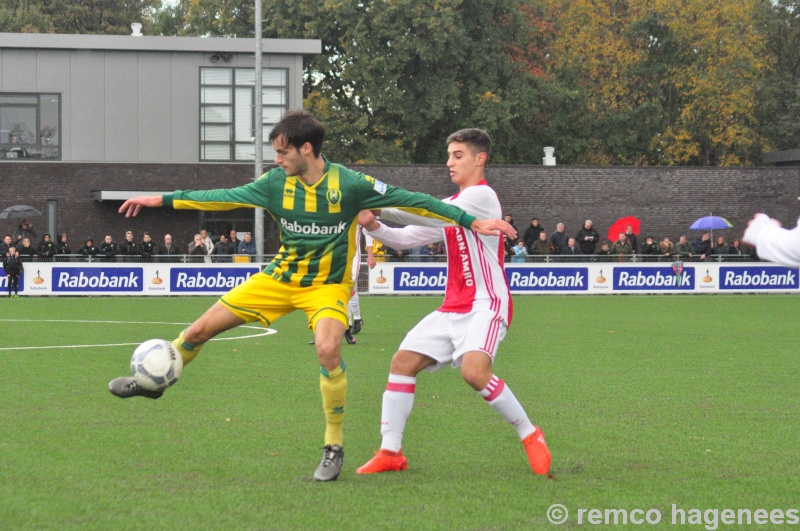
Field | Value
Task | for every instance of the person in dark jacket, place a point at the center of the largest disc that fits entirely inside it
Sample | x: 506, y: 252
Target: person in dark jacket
x: 702, y: 246
x: 650, y: 250
x: 27, y: 250
x: 109, y: 248
x: 587, y: 238
x: 558, y: 239
x: 128, y: 247
x: 47, y: 249
x: 222, y: 250
x: 147, y: 248
x: 532, y: 233
x: 12, y: 263
x: 62, y: 245
x: 168, y: 251
x: 88, y: 248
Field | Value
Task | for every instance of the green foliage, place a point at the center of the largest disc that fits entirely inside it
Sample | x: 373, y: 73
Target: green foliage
x: 639, y: 408
x: 108, y: 17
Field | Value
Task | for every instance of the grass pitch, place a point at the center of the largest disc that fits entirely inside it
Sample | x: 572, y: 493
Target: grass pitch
x: 647, y: 402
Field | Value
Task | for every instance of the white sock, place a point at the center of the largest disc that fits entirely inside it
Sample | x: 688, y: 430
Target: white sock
x: 355, y: 307
x: 499, y: 396
x: 398, y: 400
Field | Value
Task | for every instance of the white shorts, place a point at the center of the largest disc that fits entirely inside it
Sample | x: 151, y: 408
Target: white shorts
x: 446, y: 336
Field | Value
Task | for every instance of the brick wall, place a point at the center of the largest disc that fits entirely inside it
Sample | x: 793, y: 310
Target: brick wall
x: 667, y: 199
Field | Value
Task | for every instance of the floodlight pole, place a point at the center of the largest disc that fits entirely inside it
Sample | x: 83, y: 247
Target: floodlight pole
x: 258, y: 221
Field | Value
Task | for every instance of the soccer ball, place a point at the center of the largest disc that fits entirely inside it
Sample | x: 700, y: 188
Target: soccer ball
x: 156, y: 364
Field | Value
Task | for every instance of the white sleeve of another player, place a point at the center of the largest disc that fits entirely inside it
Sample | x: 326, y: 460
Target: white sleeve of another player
x: 406, y: 237
x: 400, y: 217
x: 774, y: 243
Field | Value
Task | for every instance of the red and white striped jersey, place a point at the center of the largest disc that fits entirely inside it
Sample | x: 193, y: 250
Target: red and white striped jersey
x: 476, y: 277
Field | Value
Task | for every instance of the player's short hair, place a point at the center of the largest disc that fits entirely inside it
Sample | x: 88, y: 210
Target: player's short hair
x: 476, y: 139
x: 297, y: 128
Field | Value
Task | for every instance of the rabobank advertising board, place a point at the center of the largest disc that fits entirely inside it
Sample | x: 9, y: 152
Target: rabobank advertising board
x: 598, y: 278
x: 136, y: 279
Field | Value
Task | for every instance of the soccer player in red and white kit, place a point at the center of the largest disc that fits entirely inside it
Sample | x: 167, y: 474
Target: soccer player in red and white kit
x: 467, y: 329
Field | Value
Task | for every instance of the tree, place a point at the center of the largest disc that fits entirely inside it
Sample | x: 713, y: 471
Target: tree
x: 667, y: 82
x: 110, y: 17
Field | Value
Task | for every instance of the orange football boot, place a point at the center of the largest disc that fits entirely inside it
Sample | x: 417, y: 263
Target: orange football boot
x: 384, y: 461
x: 538, y: 453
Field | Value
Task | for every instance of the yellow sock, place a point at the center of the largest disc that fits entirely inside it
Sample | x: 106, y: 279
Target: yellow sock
x: 333, y: 386
x: 187, y: 350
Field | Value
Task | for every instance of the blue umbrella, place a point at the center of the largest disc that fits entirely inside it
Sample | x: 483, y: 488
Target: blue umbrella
x: 711, y: 223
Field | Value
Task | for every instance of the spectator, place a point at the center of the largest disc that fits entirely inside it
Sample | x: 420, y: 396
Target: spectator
x: 542, y: 245
x: 519, y: 252
x: 532, y: 234
x: 147, y: 248
x: 46, y: 249
x: 25, y: 230
x: 168, y: 251
x: 510, y: 220
x: 88, y: 248
x: 247, y: 245
x: 62, y: 245
x: 622, y: 246
x: 207, y: 243
x: 650, y: 250
x: 632, y: 239
x: 572, y: 248
x: 223, y: 250
x: 558, y: 239
x: 395, y: 255
x: 587, y: 238
x: 6, y: 244
x: 508, y: 247
x: 666, y: 247
x: 702, y: 246
x: 109, y: 248
x: 738, y: 250
x: 721, y: 248
x: 197, y: 249
x: 603, y: 253
x: 27, y: 251
x: 12, y: 263
x: 683, y: 249
x: 128, y: 248
x: 234, y: 240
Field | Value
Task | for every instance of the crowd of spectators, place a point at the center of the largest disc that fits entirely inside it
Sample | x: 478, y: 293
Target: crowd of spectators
x: 201, y: 249
x: 533, y: 245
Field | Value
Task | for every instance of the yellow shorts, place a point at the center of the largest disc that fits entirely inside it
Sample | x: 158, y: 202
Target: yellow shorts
x: 262, y: 298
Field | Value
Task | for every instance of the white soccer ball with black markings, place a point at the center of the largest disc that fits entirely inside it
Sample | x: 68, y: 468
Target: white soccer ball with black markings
x: 156, y: 364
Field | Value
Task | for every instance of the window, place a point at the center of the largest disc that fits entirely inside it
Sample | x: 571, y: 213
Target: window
x: 227, y: 115
x: 30, y: 126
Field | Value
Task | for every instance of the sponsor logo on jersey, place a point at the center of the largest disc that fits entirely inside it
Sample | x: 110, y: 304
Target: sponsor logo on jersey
x: 128, y: 279
x: 548, y: 279
x: 313, y: 228
x: 334, y: 196
x: 208, y: 279
x: 755, y: 277
x: 652, y: 279
x: 380, y: 187
x: 420, y: 278
x: 288, y: 192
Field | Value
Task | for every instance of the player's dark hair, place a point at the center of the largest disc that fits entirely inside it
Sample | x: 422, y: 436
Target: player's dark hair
x: 476, y: 139
x: 297, y: 128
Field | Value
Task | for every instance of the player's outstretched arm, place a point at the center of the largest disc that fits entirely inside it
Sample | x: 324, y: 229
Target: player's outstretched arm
x: 132, y: 206
x: 493, y: 227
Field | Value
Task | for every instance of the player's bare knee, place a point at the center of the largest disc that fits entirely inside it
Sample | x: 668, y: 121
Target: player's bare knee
x: 329, y: 355
x: 405, y: 363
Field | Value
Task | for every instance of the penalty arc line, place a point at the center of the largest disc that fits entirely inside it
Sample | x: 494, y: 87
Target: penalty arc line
x: 267, y: 332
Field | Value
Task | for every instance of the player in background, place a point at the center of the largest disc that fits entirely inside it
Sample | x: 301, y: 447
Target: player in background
x: 315, y: 204
x: 467, y: 329
x: 772, y: 241
x: 355, y: 305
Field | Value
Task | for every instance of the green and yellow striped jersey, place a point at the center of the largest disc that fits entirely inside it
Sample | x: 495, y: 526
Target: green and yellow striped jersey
x: 318, y: 222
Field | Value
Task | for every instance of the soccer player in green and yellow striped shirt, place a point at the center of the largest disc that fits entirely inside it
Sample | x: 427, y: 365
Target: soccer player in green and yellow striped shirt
x: 315, y: 204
